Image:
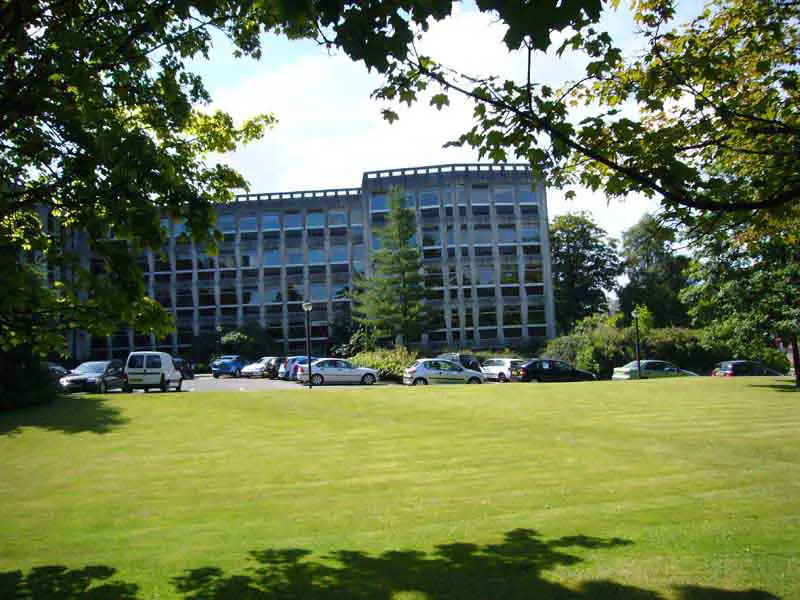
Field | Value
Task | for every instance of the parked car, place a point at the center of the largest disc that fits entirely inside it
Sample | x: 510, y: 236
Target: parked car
x: 651, y: 369
x: 743, y: 368
x: 438, y: 370
x: 301, y: 361
x: 468, y: 361
x: 336, y: 370
x: 272, y: 367
x: 257, y: 368
x: 288, y: 370
x: 56, y: 371
x: 147, y: 370
x: 499, y: 369
x: 231, y: 364
x: 94, y: 376
x: 184, y: 367
x: 545, y: 370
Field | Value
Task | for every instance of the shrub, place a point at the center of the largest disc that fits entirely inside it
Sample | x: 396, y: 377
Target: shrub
x: 24, y: 380
x: 564, y: 348
x: 390, y: 364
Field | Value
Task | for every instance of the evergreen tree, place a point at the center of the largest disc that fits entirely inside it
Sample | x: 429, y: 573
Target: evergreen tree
x: 392, y: 300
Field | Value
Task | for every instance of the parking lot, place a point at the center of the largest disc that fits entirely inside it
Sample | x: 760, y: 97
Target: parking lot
x: 206, y: 383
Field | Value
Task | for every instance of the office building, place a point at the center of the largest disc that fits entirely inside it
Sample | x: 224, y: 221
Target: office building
x: 482, y: 230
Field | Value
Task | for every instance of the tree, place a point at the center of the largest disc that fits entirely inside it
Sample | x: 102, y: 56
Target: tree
x: 745, y: 291
x: 704, y: 118
x: 392, y: 300
x: 656, y: 274
x: 584, y: 263
x: 103, y: 132
x: 251, y: 341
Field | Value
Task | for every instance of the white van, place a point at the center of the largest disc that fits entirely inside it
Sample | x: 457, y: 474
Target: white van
x: 145, y: 370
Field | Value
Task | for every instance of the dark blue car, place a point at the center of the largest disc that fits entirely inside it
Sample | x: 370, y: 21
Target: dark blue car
x: 230, y: 364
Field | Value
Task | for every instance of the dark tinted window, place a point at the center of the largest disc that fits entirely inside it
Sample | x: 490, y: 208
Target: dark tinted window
x: 153, y: 361
x: 136, y: 361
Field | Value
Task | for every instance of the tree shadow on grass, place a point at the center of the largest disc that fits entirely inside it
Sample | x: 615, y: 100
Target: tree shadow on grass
x: 67, y: 413
x: 777, y: 385
x: 513, y: 569
x: 61, y: 583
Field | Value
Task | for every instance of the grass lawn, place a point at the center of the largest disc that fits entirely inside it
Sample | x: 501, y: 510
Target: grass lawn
x: 645, y: 490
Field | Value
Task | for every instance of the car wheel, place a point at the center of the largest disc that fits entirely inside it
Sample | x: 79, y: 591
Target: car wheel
x: 127, y: 389
x: 474, y: 380
x: 501, y: 378
x: 420, y: 381
x: 368, y: 379
x: 216, y: 375
x: 238, y: 373
x: 180, y: 385
x: 102, y: 388
x: 164, y: 386
x: 317, y: 379
x: 534, y: 380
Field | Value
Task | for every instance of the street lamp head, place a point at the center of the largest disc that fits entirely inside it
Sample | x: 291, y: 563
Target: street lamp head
x: 307, y: 306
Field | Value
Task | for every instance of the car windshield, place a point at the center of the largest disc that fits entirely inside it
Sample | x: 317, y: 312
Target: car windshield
x: 631, y: 365
x: 91, y: 367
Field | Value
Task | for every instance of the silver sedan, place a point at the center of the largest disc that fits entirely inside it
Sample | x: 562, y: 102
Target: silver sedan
x: 336, y: 370
x: 437, y: 370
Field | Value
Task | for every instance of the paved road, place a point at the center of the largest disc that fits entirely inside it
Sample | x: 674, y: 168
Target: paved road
x: 206, y: 383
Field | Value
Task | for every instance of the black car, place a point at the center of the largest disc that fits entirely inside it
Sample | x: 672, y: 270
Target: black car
x: 184, y: 367
x: 272, y: 366
x: 56, y: 371
x: 544, y: 370
x: 468, y: 361
x: 743, y: 368
x: 94, y: 376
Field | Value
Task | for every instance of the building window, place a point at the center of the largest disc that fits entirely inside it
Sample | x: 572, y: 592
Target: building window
x: 526, y: 196
x: 337, y: 217
x: 226, y: 223
x: 506, y: 234
x: 479, y: 195
x: 379, y: 202
x: 316, y: 218
x: 429, y: 198
x: 293, y: 220
x: 270, y: 222
x: 529, y: 234
x: 248, y: 223
x: 483, y: 234
x: 503, y: 195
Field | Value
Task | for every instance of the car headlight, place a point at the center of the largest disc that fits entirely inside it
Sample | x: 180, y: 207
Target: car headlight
x: 63, y: 381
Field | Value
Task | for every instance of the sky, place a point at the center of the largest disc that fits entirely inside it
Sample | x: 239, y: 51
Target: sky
x: 330, y: 131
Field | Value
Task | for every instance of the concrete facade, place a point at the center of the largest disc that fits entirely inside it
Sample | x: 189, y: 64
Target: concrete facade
x: 482, y: 230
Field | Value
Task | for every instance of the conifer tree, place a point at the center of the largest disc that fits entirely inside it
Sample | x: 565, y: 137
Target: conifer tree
x: 392, y: 300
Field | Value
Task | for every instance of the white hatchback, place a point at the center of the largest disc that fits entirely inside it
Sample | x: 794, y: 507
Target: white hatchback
x: 499, y: 369
x: 146, y: 370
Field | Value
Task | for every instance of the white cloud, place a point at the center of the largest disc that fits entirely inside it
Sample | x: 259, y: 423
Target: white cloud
x: 330, y: 131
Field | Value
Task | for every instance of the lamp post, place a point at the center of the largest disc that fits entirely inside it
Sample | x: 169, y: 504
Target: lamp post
x: 218, y: 340
x: 635, y: 314
x: 307, y: 309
